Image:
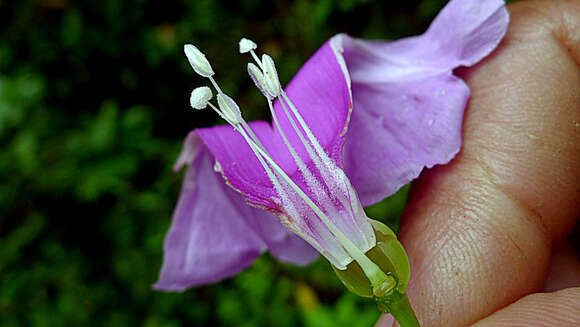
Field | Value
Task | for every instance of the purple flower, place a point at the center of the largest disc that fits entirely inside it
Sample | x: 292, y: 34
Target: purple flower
x: 408, y: 109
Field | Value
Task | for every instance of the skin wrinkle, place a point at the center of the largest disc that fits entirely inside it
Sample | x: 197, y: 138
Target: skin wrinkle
x: 502, y: 162
x: 504, y: 229
x: 563, y: 36
x: 475, y: 208
x: 561, y: 308
x: 462, y: 266
x: 551, y: 76
x: 493, y: 229
x: 567, y: 29
x: 535, y: 216
x: 441, y: 241
x: 463, y: 240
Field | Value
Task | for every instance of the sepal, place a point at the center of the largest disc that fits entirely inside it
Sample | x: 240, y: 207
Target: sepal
x: 391, y: 258
x: 388, y: 254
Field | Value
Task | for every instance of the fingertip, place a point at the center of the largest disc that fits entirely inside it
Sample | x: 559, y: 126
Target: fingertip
x: 386, y: 320
x: 479, y: 231
x: 561, y: 308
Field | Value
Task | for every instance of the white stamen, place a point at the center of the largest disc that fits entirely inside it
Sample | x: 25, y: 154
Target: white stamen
x: 227, y: 104
x: 258, y: 78
x: 329, y: 173
x: 220, y: 113
x: 313, y: 184
x: 214, y: 83
x: 229, y: 109
x: 309, y: 134
x: 327, y: 167
x: 247, y: 45
x: 311, y: 181
x: 271, y: 176
x: 371, y: 270
x: 197, y: 60
x: 256, y: 59
x: 266, y: 79
x: 200, y: 97
x: 272, y: 83
x: 323, y: 164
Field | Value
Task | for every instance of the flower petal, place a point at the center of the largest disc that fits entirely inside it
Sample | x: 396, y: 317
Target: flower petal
x: 282, y: 243
x: 238, y: 164
x: 215, y: 234
x: 463, y: 33
x: 408, y: 105
x: 395, y: 146
x: 208, y: 241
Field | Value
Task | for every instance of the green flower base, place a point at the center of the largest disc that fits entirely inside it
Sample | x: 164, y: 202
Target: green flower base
x: 398, y: 305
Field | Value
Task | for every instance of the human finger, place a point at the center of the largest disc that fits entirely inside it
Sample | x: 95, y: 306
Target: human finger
x: 561, y: 308
x: 479, y: 231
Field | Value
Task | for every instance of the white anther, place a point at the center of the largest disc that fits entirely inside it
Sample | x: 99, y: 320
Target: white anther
x: 200, y: 97
x: 229, y: 109
x: 272, y: 83
x: 198, y: 61
x: 247, y: 45
x: 258, y: 78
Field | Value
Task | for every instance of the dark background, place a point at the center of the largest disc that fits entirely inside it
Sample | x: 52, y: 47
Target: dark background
x: 93, y: 109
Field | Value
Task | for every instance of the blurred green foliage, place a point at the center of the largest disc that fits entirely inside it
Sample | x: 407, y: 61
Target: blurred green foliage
x: 93, y: 109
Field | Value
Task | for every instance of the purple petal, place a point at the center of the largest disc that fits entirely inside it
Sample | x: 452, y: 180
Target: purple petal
x: 290, y: 248
x: 424, y: 131
x: 282, y: 243
x: 208, y: 241
x: 215, y: 234
x: 463, y: 33
x: 408, y: 105
x: 237, y: 162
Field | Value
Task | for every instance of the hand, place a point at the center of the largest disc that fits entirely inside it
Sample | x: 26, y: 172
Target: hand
x: 486, y: 233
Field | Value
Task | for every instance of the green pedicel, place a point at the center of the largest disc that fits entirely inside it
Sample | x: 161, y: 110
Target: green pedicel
x: 391, y: 258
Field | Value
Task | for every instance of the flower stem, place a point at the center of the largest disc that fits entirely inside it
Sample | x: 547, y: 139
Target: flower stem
x: 398, y: 305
